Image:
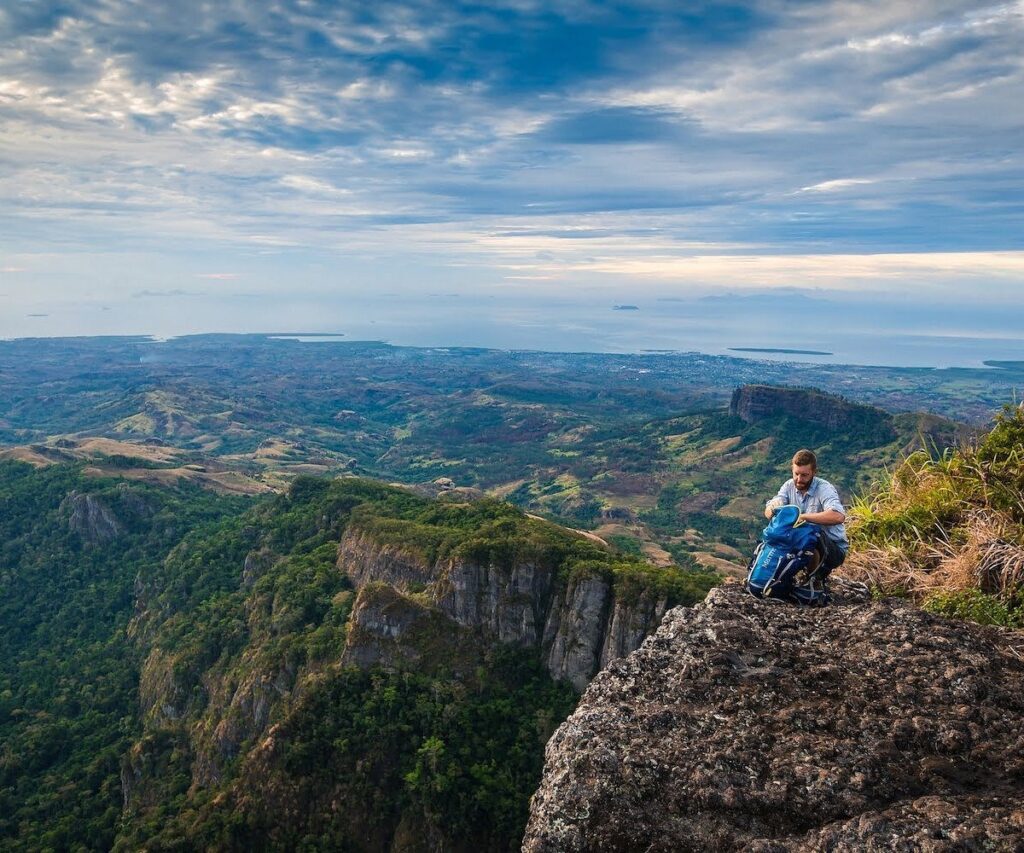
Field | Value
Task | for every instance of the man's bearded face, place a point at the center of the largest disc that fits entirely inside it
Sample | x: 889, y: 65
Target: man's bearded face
x: 802, y: 476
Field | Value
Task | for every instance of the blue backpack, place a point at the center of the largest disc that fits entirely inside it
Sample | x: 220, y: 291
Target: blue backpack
x: 786, y: 549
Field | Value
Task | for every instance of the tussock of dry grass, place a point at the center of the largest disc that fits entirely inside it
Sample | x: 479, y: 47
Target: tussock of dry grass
x: 985, y: 559
x: 951, y: 528
x: 887, y: 569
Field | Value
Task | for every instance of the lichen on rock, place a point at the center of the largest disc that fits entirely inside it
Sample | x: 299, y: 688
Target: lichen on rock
x: 750, y: 725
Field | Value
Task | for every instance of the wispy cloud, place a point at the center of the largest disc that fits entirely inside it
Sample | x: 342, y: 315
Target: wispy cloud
x: 836, y: 185
x: 841, y: 272
x: 515, y: 141
x: 163, y: 294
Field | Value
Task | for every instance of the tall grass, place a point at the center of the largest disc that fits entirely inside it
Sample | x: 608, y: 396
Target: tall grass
x: 948, y: 530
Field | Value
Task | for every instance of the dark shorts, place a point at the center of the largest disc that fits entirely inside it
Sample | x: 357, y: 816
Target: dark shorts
x: 833, y: 554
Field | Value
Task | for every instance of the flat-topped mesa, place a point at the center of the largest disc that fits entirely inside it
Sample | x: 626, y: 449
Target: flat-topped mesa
x: 750, y: 725
x: 754, y: 403
x: 578, y: 624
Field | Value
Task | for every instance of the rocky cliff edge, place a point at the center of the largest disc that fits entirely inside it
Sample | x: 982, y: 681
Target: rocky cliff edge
x: 578, y: 625
x: 748, y: 725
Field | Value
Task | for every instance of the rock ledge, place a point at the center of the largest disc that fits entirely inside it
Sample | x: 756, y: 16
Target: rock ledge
x: 745, y: 725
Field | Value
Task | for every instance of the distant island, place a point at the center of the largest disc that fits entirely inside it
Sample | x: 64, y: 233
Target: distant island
x: 781, y: 351
x: 625, y: 308
x: 308, y: 338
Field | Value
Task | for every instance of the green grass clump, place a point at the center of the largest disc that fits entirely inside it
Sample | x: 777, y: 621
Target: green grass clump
x: 923, y: 499
x: 974, y: 606
x: 627, y: 545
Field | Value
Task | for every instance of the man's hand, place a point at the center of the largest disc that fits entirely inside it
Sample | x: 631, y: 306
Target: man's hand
x: 774, y: 504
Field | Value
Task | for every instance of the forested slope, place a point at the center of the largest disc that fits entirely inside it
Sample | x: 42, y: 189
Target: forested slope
x: 183, y: 670
x: 70, y: 550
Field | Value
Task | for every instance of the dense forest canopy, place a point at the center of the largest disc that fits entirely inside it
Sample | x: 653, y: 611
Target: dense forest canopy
x: 105, y: 582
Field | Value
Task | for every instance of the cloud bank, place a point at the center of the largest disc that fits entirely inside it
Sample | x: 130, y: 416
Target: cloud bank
x: 325, y: 147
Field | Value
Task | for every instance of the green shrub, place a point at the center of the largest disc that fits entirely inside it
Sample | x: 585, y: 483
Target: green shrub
x: 628, y: 545
x: 974, y: 606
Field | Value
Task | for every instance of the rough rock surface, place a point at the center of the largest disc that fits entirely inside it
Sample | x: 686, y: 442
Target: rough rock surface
x: 364, y: 559
x: 256, y: 564
x: 89, y: 517
x: 509, y: 604
x: 629, y: 623
x: 749, y: 725
x: 395, y: 631
x: 574, y: 630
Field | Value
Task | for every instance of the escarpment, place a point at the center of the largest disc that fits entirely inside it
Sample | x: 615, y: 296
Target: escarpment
x: 754, y: 403
x: 862, y: 426
x: 394, y: 631
x: 91, y: 518
x: 744, y: 725
x: 366, y: 558
x: 577, y: 623
x: 100, y: 519
x: 339, y: 660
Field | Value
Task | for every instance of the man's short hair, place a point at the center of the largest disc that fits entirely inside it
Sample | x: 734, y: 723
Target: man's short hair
x: 806, y: 457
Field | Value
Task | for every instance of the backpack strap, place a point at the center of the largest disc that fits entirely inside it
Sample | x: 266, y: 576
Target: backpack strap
x: 783, y: 575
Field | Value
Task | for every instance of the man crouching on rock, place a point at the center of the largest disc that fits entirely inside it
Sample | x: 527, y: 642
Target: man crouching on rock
x: 818, y: 502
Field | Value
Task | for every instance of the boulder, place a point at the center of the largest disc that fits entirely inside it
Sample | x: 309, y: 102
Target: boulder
x: 760, y: 726
x: 91, y: 518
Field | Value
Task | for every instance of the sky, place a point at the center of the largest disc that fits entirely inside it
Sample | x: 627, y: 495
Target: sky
x: 509, y: 172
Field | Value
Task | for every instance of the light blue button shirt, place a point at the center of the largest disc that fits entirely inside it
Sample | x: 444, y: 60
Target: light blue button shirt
x: 820, y: 496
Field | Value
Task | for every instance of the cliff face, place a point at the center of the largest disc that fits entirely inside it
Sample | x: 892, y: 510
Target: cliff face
x: 364, y: 559
x: 100, y: 518
x: 754, y: 403
x: 508, y: 604
x: 395, y: 631
x: 91, y: 518
x: 578, y: 626
x: 746, y: 725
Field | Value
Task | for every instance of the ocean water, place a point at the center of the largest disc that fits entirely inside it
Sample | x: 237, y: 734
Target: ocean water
x: 639, y: 331
x: 899, y: 333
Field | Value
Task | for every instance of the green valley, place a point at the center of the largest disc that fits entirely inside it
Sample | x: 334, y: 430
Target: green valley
x: 202, y: 664
x: 635, y: 446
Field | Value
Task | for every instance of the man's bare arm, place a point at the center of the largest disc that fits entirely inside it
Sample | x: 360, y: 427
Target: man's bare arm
x: 826, y: 517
